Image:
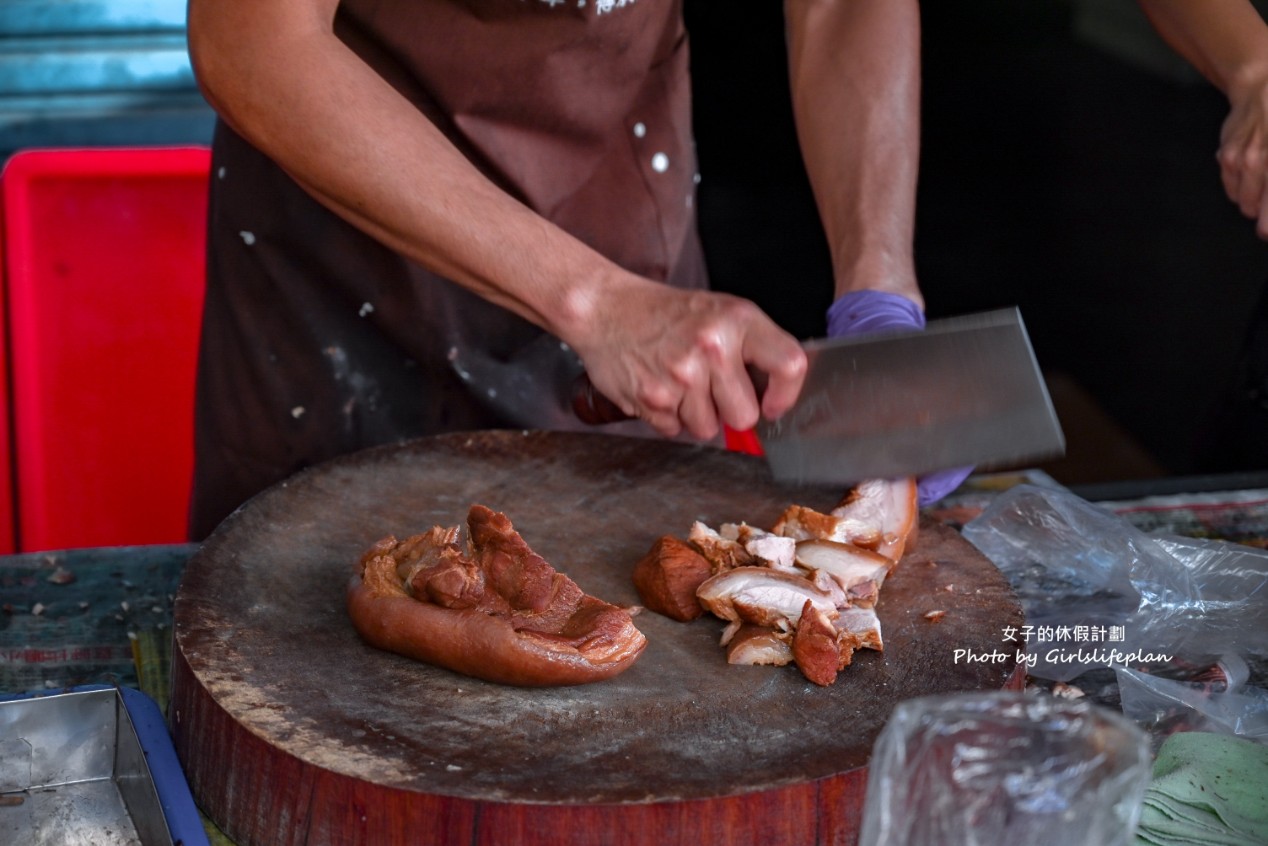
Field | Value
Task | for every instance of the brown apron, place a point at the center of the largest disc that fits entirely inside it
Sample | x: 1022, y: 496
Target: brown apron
x: 318, y: 341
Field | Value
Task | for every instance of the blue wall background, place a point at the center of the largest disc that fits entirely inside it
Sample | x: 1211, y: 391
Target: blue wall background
x: 97, y: 73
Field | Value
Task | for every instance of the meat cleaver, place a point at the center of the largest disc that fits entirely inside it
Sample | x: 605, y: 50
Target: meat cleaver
x: 965, y: 391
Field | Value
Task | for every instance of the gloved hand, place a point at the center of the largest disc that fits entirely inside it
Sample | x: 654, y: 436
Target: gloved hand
x: 866, y: 312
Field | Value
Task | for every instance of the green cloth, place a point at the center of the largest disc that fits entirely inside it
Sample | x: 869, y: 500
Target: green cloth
x: 1208, y: 789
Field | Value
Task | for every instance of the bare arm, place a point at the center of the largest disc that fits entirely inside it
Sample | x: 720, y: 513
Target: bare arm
x: 1227, y: 41
x: 277, y: 73
x: 855, y: 73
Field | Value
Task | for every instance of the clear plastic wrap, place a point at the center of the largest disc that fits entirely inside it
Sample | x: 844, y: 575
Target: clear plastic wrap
x: 1230, y: 595
x: 1148, y: 601
x: 1164, y: 706
x: 982, y: 769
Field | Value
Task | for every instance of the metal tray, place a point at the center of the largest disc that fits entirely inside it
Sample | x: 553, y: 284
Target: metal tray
x: 92, y: 765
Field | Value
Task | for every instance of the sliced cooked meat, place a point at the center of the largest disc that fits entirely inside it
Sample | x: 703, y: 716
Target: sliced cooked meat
x: 759, y: 645
x: 849, y: 565
x: 815, y: 647
x: 723, y: 553
x: 806, y: 590
x: 801, y: 523
x: 667, y: 578
x: 769, y: 549
x: 846, y: 643
x: 880, y: 514
x: 763, y: 596
x: 860, y: 622
x: 865, y: 592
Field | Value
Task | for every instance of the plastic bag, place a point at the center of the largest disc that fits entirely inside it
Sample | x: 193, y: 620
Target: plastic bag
x: 1230, y: 584
x: 981, y: 769
x: 1119, y: 596
x: 1165, y: 706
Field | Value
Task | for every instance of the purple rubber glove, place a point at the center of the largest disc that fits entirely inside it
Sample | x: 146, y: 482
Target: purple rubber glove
x: 865, y: 312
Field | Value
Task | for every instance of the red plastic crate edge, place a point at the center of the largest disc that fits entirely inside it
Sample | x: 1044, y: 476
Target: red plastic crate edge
x: 22, y: 170
x: 8, y: 481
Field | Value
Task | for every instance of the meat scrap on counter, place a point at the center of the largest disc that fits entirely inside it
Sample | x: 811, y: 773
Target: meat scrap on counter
x: 803, y: 592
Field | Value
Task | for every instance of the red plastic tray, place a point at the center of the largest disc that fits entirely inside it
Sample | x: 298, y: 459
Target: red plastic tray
x: 104, y: 275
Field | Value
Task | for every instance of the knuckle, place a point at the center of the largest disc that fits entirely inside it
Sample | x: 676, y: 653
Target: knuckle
x: 687, y: 372
x: 711, y: 343
x: 796, y: 365
x: 1229, y: 156
x: 656, y: 398
x: 744, y: 312
x: 1231, y: 164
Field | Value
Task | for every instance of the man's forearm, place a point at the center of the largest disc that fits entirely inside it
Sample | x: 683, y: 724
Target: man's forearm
x: 276, y: 72
x: 855, y: 72
x: 1225, y: 40
x: 677, y: 359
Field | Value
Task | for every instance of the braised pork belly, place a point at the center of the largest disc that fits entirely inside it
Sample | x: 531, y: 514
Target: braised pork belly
x: 802, y: 592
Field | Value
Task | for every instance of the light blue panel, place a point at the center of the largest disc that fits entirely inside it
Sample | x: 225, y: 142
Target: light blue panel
x: 65, y: 66
x: 89, y: 72
x: 62, y: 17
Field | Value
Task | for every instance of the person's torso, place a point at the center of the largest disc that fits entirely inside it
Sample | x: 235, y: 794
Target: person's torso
x: 579, y: 108
x: 319, y: 340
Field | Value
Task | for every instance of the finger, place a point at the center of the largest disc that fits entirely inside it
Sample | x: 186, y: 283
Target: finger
x: 781, y: 358
x: 783, y: 388
x: 774, y: 352
x: 736, y: 399
x: 664, y: 423
x: 732, y: 397
x: 1250, y: 189
x: 1229, y: 172
x: 1243, y: 161
x: 698, y: 414
x: 652, y: 401
x: 695, y: 409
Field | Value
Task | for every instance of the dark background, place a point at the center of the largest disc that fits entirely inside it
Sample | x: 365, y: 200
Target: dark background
x: 1068, y: 167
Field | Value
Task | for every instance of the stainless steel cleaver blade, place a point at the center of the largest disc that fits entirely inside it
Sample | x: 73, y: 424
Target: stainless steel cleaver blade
x: 965, y: 391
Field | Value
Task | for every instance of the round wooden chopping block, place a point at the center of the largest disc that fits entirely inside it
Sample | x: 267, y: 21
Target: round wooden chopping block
x: 292, y: 731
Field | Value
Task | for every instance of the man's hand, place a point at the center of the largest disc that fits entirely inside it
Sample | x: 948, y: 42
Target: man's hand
x: 1227, y: 43
x: 678, y: 359
x: 1243, y: 153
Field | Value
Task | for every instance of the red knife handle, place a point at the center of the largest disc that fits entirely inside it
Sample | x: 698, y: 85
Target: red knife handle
x: 592, y: 407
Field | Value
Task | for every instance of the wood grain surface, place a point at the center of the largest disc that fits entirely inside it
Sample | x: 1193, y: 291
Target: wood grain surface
x: 291, y: 730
